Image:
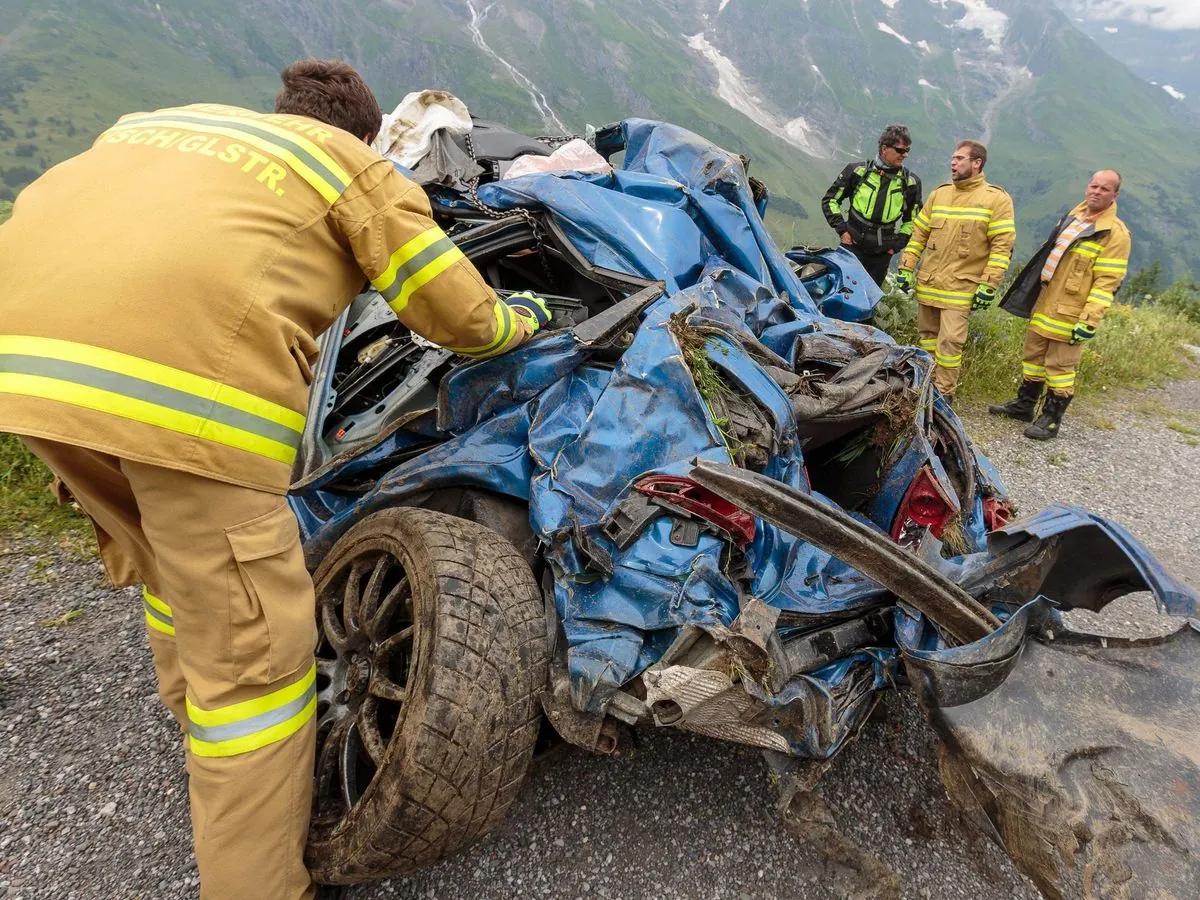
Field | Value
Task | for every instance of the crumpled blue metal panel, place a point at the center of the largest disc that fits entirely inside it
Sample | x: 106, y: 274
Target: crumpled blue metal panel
x: 548, y: 425
x: 676, y: 200
x: 844, y: 291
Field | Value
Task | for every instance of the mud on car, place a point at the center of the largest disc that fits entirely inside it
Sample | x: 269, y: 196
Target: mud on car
x: 699, y: 500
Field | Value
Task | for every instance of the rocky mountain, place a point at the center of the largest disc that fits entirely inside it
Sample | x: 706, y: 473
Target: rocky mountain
x: 802, y: 86
x: 1159, y: 41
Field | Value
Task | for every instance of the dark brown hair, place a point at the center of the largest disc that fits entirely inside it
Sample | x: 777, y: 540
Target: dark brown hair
x: 333, y: 92
x: 977, y: 150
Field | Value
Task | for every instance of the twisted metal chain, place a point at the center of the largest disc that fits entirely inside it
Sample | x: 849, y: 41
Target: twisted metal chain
x: 535, y: 226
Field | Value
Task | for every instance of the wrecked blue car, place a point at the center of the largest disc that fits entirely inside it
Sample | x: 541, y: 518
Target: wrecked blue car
x: 698, y: 501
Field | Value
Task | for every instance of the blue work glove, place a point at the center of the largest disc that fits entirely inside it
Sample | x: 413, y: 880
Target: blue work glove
x: 531, y: 308
x: 985, y: 296
x: 904, y: 280
x: 1083, y: 333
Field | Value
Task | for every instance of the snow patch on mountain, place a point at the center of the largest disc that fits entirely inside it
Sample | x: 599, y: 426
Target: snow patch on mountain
x: 890, y: 4
x: 924, y: 45
x: 735, y: 90
x: 1108, y: 29
x: 1177, y: 95
x: 991, y: 22
x: 923, y: 83
x: 887, y: 30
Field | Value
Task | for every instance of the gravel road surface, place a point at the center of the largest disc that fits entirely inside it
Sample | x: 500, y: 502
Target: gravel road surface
x: 93, y: 802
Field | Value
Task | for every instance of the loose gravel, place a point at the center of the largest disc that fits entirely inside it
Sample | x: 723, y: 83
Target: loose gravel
x: 93, y: 799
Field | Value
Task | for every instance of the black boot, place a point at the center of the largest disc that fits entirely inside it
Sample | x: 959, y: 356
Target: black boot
x: 1024, y: 406
x: 1046, y: 426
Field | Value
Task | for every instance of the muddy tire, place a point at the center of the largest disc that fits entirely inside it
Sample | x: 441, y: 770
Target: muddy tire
x: 431, y: 662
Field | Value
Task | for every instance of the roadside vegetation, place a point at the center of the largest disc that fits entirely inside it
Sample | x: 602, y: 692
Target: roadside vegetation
x: 1137, y: 346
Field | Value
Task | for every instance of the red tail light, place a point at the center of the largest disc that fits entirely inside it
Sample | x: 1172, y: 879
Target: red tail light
x: 925, y: 505
x: 996, y: 513
x: 686, y: 495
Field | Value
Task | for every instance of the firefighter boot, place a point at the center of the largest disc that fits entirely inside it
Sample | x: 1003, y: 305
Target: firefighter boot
x: 1046, y: 426
x: 1025, y: 404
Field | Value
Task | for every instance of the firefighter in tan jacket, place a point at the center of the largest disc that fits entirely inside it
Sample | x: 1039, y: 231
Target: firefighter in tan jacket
x: 1064, y: 291
x: 163, y: 292
x: 963, y: 240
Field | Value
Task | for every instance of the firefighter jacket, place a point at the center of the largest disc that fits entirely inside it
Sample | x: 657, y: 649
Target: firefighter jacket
x: 882, y: 203
x: 164, y: 288
x: 1085, y: 281
x: 963, y: 237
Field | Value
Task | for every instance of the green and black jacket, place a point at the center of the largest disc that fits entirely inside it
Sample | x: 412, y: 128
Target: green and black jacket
x: 882, y: 204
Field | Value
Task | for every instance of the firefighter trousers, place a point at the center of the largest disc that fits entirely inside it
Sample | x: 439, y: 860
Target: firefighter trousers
x: 1051, y: 361
x: 229, y: 609
x: 943, y: 334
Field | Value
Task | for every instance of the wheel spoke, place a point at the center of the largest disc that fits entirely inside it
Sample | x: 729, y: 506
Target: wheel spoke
x: 382, y: 685
x: 334, y: 633
x: 352, y: 601
x: 349, y: 766
x: 329, y: 756
x: 374, y: 590
x: 398, y: 597
x: 368, y: 730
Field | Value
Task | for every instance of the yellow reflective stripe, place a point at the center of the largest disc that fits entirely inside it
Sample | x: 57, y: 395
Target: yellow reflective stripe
x: 252, y: 724
x: 1103, y: 298
x: 928, y: 343
x: 1002, y: 226
x: 1112, y: 261
x: 305, y: 157
x: 1116, y: 266
x: 1032, y: 369
x: 167, y: 376
x: 1055, y: 325
x: 1085, y: 252
x: 949, y: 362
x: 921, y: 219
x: 403, y: 254
x: 1091, y: 245
x: 426, y: 274
x: 914, y: 247
x: 1057, y: 381
x: 145, y: 412
x: 957, y: 298
x: 506, y: 330
x: 158, y: 614
x: 1000, y: 262
x: 966, y: 210
x: 118, y: 384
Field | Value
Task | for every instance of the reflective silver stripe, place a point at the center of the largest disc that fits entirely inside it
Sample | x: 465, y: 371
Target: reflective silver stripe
x: 416, y: 264
x: 214, y: 734
x: 156, y: 614
x: 148, y: 391
x: 291, y: 146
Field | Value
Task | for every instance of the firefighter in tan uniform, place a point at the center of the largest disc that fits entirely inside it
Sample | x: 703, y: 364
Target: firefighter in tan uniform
x: 163, y: 292
x: 963, y: 240
x: 1065, y: 291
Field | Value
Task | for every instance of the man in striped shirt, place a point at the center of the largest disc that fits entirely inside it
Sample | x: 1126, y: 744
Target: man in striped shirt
x: 1065, y: 291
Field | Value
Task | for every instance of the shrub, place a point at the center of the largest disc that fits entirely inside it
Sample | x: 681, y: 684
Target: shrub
x: 1135, y: 348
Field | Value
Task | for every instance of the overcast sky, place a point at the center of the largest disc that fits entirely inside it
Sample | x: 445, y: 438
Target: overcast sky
x: 1165, y: 14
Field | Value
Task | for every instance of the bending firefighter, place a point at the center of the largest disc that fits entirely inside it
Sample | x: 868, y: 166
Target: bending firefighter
x: 962, y: 239
x: 882, y: 195
x: 1065, y: 291
x: 163, y: 291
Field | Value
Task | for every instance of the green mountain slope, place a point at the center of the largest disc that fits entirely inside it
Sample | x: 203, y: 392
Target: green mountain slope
x: 800, y: 87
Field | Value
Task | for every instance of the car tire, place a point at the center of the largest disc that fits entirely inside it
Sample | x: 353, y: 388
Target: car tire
x: 422, y: 748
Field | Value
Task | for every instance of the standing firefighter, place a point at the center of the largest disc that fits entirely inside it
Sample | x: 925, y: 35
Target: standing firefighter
x: 163, y: 290
x: 1065, y: 291
x: 882, y: 195
x: 963, y: 240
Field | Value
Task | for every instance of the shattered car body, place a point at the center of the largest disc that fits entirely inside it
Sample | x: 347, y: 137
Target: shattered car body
x: 746, y: 517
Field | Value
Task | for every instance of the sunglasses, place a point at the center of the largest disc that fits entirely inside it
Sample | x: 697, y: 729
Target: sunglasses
x: 903, y: 151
